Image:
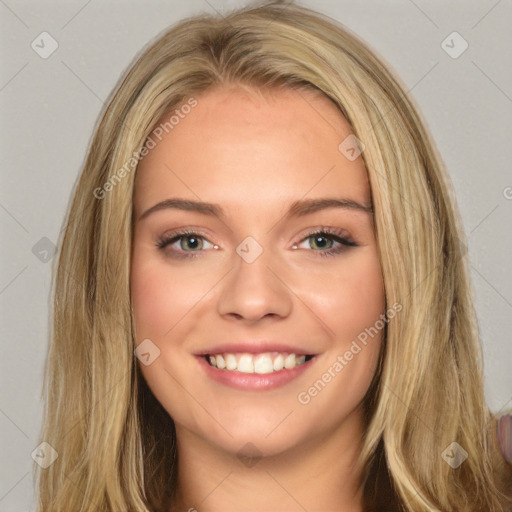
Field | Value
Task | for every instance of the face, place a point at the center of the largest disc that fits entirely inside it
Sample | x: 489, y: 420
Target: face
x: 250, y: 295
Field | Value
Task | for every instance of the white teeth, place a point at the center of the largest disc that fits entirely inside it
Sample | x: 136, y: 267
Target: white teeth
x: 289, y: 362
x: 220, y: 362
x: 246, y: 364
x: 278, y: 363
x: 231, y: 362
x: 263, y: 364
x: 256, y: 363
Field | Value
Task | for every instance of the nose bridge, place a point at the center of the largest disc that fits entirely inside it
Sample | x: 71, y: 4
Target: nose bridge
x: 252, y: 290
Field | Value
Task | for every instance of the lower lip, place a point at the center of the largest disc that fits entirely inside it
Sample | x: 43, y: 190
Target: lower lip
x: 253, y: 381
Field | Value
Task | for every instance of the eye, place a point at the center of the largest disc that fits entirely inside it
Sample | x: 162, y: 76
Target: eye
x: 324, y: 241
x: 186, y: 242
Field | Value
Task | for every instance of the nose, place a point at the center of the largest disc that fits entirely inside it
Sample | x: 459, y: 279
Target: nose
x: 255, y: 290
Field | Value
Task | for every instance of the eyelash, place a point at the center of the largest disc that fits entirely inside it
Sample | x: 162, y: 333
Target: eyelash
x: 334, y: 234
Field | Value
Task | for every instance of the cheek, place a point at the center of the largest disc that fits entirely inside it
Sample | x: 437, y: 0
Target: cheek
x: 363, y: 299
x: 349, y: 299
x: 158, y: 297
x: 153, y: 300
x: 351, y: 306
x: 161, y: 297
x: 161, y: 294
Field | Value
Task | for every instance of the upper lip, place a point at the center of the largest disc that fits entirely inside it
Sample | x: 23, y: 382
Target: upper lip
x: 253, y: 347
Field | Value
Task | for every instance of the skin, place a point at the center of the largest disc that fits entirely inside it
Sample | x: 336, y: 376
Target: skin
x: 254, y: 153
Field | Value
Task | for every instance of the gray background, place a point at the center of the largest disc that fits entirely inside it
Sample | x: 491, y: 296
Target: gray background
x: 49, y: 108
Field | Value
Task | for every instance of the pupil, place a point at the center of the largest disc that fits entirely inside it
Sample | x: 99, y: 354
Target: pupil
x: 317, y: 241
x: 193, y: 244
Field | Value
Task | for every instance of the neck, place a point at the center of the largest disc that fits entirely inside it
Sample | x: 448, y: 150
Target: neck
x: 318, y: 475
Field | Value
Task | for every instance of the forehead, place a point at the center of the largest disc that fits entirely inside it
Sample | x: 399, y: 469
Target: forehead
x: 239, y: 145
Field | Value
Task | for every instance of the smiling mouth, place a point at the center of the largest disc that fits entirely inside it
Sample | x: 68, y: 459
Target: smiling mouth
x: 267, y: 362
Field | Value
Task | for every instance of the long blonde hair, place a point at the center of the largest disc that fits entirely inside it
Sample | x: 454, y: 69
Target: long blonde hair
x: 115, y: 443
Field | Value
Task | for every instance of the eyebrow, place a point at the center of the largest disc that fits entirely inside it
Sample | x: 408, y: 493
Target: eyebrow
x: 298, y: 208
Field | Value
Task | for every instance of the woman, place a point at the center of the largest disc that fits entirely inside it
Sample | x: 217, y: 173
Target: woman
x: 262, y: 300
